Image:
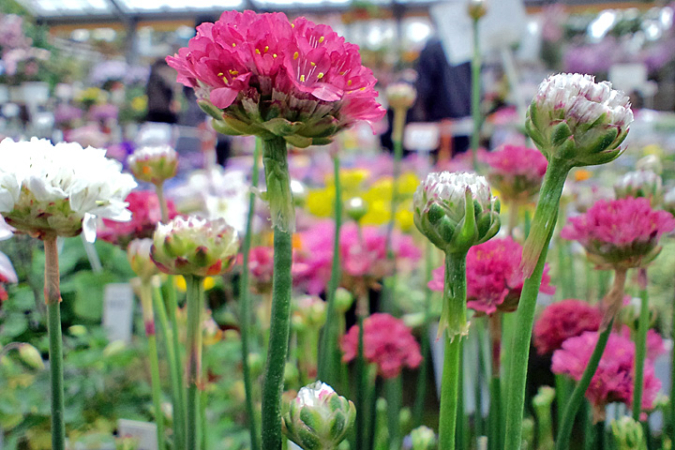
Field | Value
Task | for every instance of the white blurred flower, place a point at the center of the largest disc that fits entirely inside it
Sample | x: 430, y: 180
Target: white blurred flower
x: 313, y: 394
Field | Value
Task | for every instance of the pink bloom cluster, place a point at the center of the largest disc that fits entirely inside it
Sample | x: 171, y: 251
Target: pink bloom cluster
x: 613, y: 381
x: 494, y: 279
x: 620, y: 233
x: 655, y: 345
x: 563, y: 320
x: 387, y: 342
x: 260, y: 267
x: 286, y: 78
x: 145, y: 215
x: 516, y: 171
x: 362, y: 255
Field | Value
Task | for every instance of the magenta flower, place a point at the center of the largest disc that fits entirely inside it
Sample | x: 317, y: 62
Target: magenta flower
x: 517, y: 172
x: 494, y: 279
x: 387, y: 342
x: 613, y: 381
x: 260, y: 267
x: 655, y: 345
x: 261, y: 74
x: 145, y: 215
x: 621, y: 233
x: 563, y: 320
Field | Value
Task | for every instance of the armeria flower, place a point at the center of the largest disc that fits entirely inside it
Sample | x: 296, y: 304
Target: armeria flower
x: 613, y: 381
x: 563, y: 320
x: 456, y: 210
x: 318, y: 418
x: 261, y: 74
x: 655, y: 345
x: 154, y: 164
x: 575, y: 119
x: 640, y: 183
x: 517, y: 172
x: 260, y: 267
x: 628, y: 434
x: 59, y: 190
x: 387, y: 342
x: 145, y: 215
x: 401, y: 95
x: 194, y: 246
x: 494, y: 279
x: 621, y: 233
x: 138, y: 253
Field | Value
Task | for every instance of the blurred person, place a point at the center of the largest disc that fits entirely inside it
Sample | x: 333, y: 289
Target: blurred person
x: 160, y: 92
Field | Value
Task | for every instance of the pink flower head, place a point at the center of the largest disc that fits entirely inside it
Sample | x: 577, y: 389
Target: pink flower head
x: 517, y: 172
x: 620, y: 233
x: 613, y: 381
x: 261, y: 267
x: 387, y: 342
x: 655, y: 345
x: 145, y: 214
x: 493, y: 276
x: 268, y: 76
x: 563, y: 320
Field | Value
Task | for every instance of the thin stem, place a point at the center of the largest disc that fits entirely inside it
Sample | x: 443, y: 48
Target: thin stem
x: 539, y: 238
x: 53, y: 300
x: 475, y: 94
x: 422, y: 375
x: 393, y: 391
x: 329, y: 354
x: 495, y: 418
x: 362, y: 395
x: 641, y: 345
x: 174, y: 370
x: 179, y: 416
x: 153, y: 357
x: 514, y: 210
x: 163, y: 205
x: 245, y: 307
x: 283, y: 220
x: 195, y: 305
x: 454, y: 297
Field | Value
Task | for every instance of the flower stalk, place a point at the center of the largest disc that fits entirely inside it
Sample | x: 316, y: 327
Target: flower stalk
x: 363, y: 435
x: 195, y: 306
x: 641, y: 345
x: 53, y: 300
x: 495, y: 418
x: 475, y: 92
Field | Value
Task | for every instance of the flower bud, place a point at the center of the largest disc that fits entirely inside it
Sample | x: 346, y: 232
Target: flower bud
x: 31, y: 357
x: 299, y: 191
x: 154, y: 164
x: 318, y: 418
x: 669, y: 201
x: 628, y: 434
x: 641, y: 183
x: 356, y: 208
x: 423, y: 438
x: 456, y: 210
x: 138, y: 253
x: 476, y: 9
x: 310, y: 311
x: 401, y: 95
x: 343, y: 300
x: 651, y: 163
x: 578, y: 121
x: 194, y: 246
x: 77, y: 330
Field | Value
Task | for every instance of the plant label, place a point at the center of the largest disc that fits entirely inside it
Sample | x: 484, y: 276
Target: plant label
x: 118, y: 309
x: 144, y: 432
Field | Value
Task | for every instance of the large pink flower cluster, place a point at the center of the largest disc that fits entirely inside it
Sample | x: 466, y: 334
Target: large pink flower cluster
x: 516, y: 171
x: 620, y: 233
x: 613, y: 381
x: 563, y: 320
x: 494, y: 279
x: 270, y: 76
x: 145, y: 215
x: 387, y: 342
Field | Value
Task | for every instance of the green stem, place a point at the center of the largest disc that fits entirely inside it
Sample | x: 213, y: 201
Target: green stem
x: 245, y: 307
x: 514, y: 214
x: 53, y: 300
x: 283, y: 220
x: 393, y: 391
x: 163, y: 205
x: 329, y: 353
x: 179, y: 415
x: 195, y: 305
x: 150, y: 333
x: 539, y: 238
x: 641, y: 345
x: 174, y: 370
x: 495, y: 413
x: 475, y: 94
x: 562, y: 391
x: 202, y: 421
x: 363, y: 416
x: 422, y: 375
x: 454, y: 297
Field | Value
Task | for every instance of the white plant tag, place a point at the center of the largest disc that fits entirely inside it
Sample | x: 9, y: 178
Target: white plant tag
x: 118, y: 309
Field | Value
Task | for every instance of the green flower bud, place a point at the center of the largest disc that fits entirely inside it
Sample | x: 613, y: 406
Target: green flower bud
x: 651, y: 163
x: 423, y: 438
x: 310, y: 311
x: 154, y: 164
x: 401, y: 95
x: 456, y: 211
x: 641, y: 183
x: 77, y: 330
x: 31, y: 357
x: 356, y: 208
x: 318, y: 418
x: 138, y: 253
x: 477, y: 9
x: 628, y: 434
x: 343, y: 300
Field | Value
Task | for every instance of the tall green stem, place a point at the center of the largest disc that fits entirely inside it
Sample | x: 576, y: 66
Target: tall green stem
x: 539, y: 239
x: 283, y: 220
x: 393, y: 391
x: 363, y: 416
x: 329, y: 353
x: 245, y: 306
x: 495, y: 418
x: 641, y: 345
x: 422, y: 375
x: 475, y: 94
x: 153, y: 357
x: 454, y: 297
x: 179, y: 419
x: 195, y: 305
x: 53, y: 300
x: 163, y: 205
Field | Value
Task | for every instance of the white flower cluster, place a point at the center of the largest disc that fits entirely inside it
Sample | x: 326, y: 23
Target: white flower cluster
x: 46, y: 188
x: 449, y: 191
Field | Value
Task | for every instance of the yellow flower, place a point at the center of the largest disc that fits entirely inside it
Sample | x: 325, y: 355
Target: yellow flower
x: 139, y: 103
x: 404, y: 219
x: 653, y: 149
x: 407, y: 183
x: 181, y: 285
x: 320, y: 202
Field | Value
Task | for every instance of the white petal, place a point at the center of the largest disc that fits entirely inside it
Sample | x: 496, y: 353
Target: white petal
x: 7, y: 269
x: 89, y: 227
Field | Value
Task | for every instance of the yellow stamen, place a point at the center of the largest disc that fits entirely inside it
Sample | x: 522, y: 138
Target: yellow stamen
x: 234, y: 45
x: 257, y: 51
x: 296, y: 55
x: 292, y: 25
x: 234, y: 72
x: 267, y: 47
x: 321, y: 39
x: 342, y: 74
x: 313, y: 64
x: 225, y: 80
x: 221, y: 74
x: 320, y: 75
x: 302, y: 78
x: 349, y: 83
x: 274, y: 55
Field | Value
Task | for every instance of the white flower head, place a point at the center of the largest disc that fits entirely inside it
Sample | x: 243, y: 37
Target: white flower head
x: 448, y: 189
x: 154, y: 164
x: 401, y: 95
x: 314, y: 394
x: 60, y: 189
x: 640, y: 183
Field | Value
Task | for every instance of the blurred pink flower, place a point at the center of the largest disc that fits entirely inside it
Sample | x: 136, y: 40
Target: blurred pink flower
x: 620, y: 233
x: 494, y: 279
x: 613, y: 381
x: 563, y: 320
x: 387, y: 342
x: 7, y: 275
x: 655, y: 345
x: 145, y: 215
x: 516, y: 171
x: 261, y: 267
